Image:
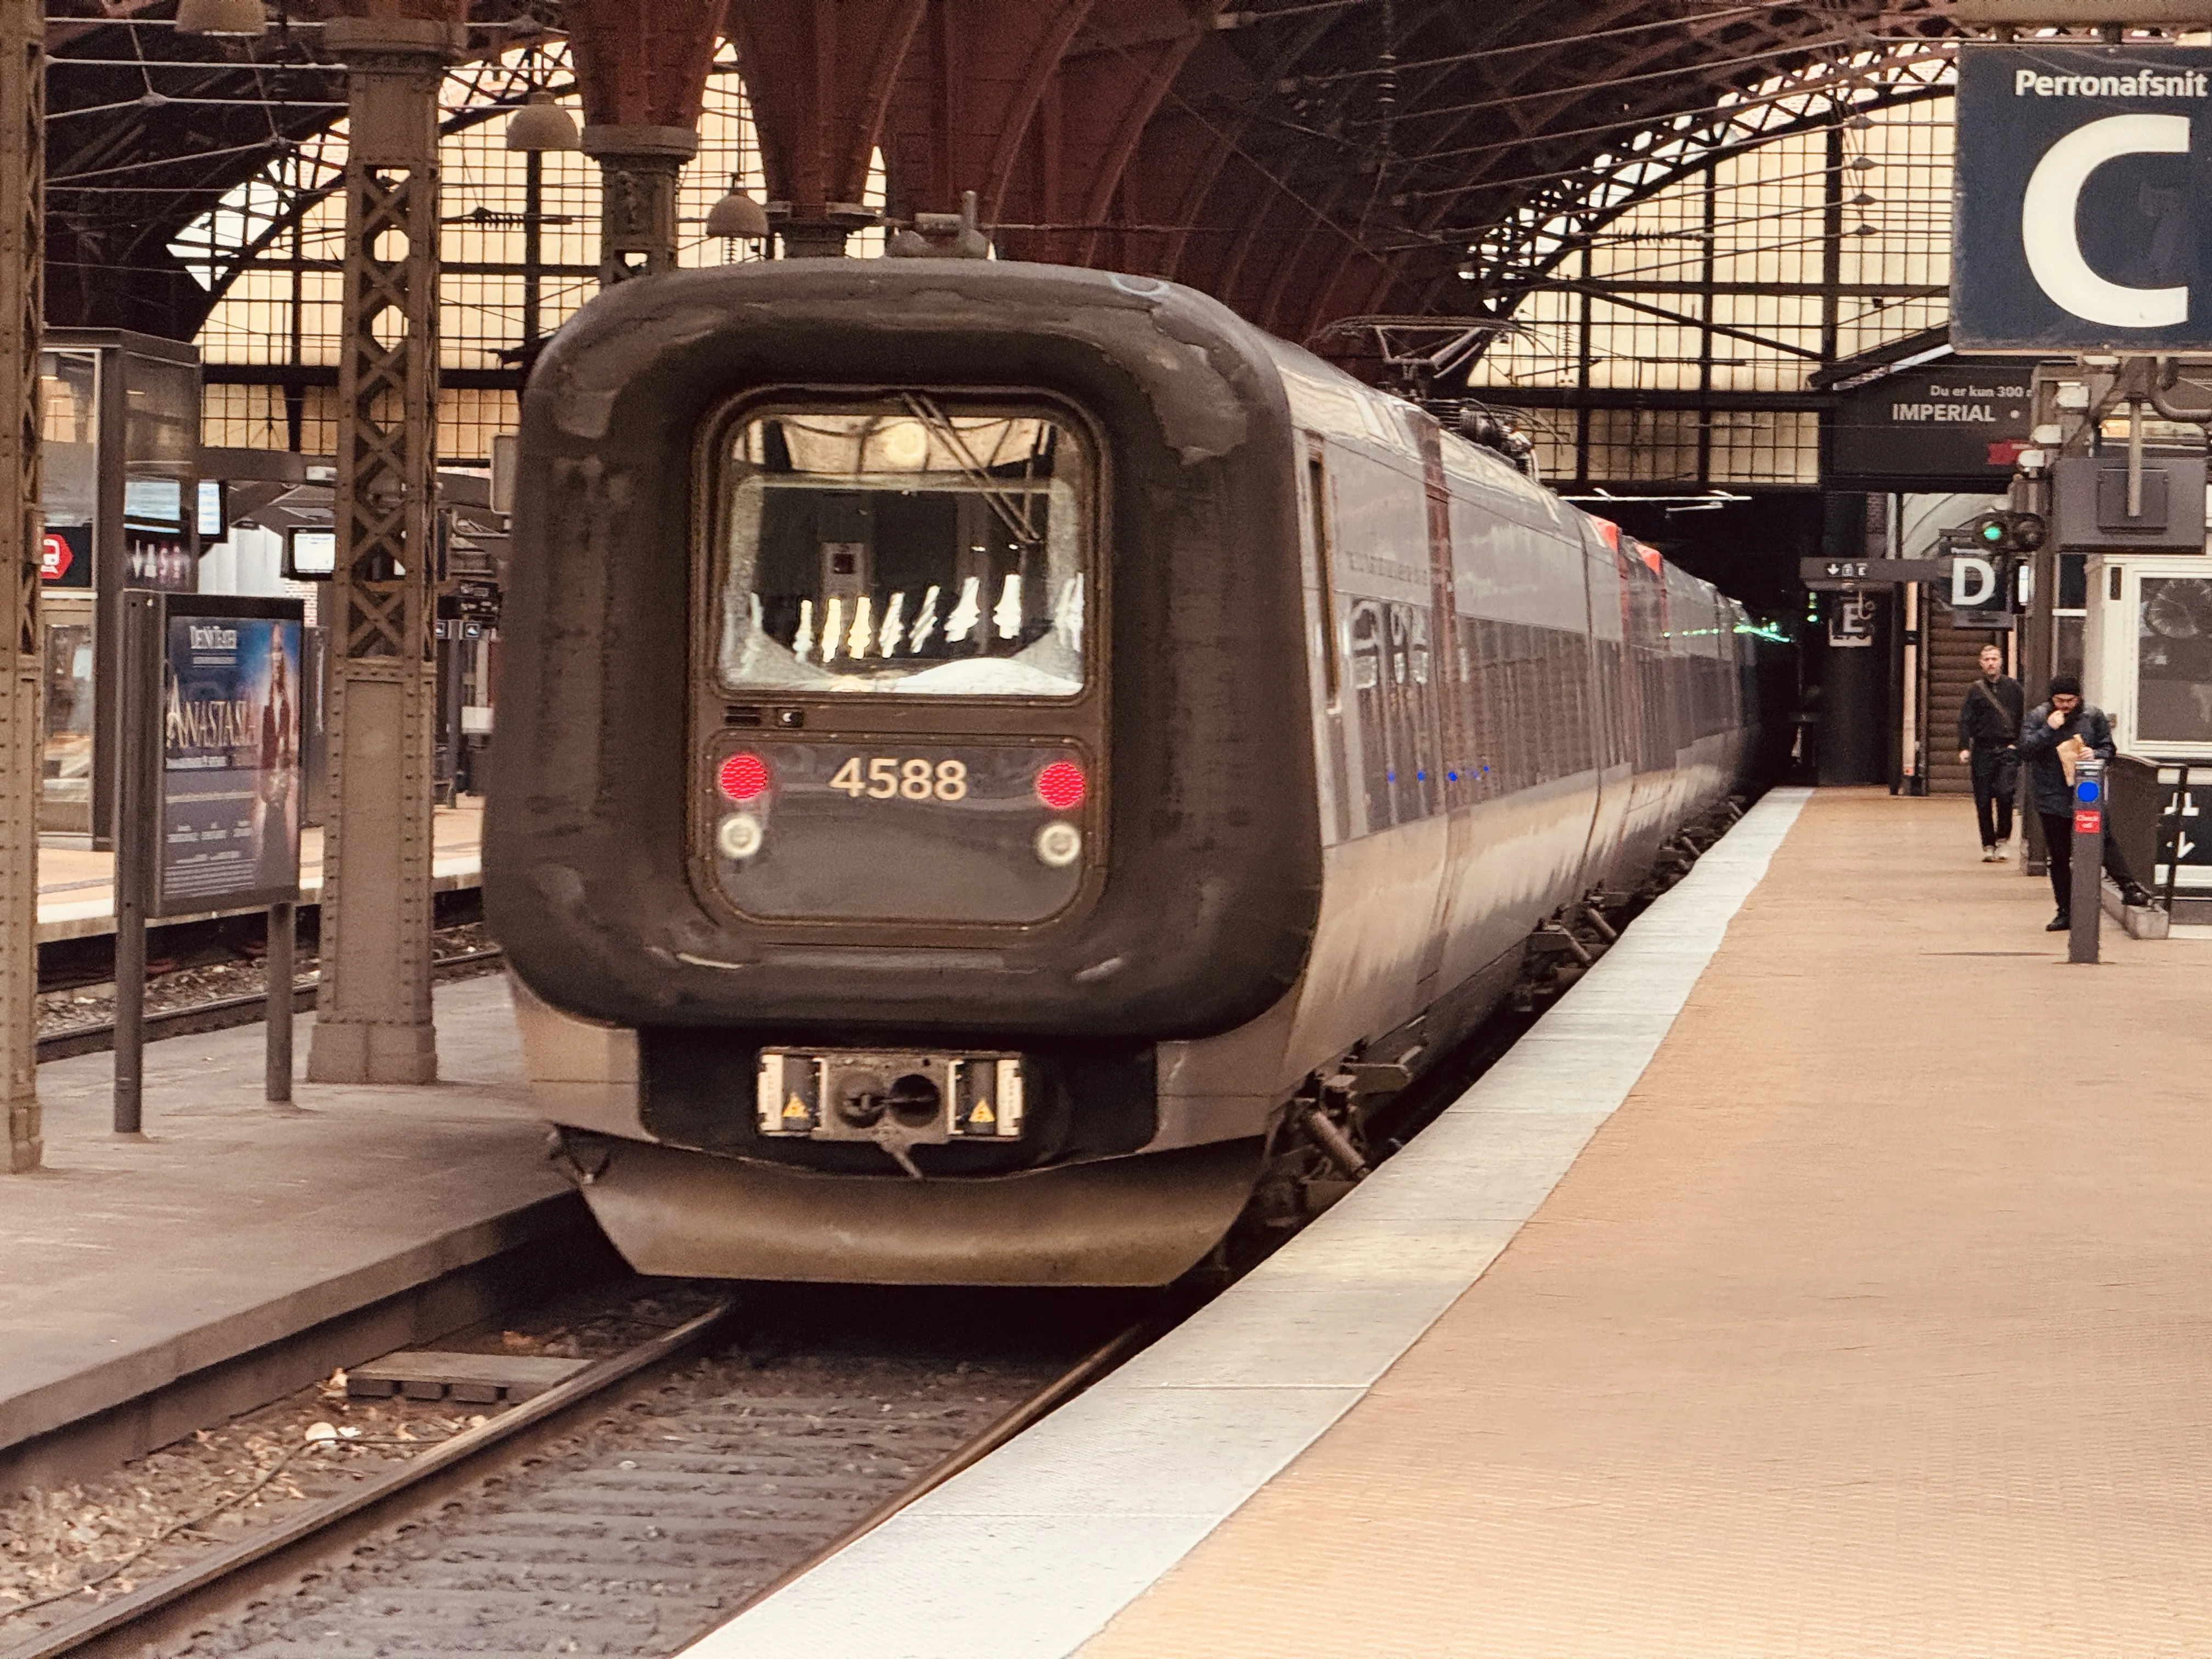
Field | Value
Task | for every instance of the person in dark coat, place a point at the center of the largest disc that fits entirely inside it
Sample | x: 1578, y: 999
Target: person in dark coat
x: 1989, y: 725
x: 2048, y: 726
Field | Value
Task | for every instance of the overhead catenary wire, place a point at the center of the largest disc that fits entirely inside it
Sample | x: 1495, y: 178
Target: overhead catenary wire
x: 1650, y: 120
x: 1891, y: 208
x: 258, y: 146
x: 163, y: 101
x: 1319, y: 215
x: 1583, y: 88
x: 1674, y: 165
x: 1548, y: 42
x: 1917, y: 217
x: 1665, y: 123
x: 1247, y: 18
x: 60, y: 60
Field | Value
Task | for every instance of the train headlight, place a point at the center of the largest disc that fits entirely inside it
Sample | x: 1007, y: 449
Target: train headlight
x: 740, y: 835
x: 1059, y: 844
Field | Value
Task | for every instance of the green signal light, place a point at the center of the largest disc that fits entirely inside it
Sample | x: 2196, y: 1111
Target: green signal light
x: 1993, y: 533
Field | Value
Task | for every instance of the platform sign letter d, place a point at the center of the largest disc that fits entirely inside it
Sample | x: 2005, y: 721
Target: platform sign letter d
x: 1973, y: 582
x: 2047, y: 229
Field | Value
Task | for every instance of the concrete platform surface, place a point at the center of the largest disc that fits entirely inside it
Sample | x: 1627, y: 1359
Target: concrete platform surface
x: 1869, y: 1323
x: 234, y: 1223
x: 76, y: 886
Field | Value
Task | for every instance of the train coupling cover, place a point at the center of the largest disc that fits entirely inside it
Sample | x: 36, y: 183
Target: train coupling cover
x: 896, y: 1099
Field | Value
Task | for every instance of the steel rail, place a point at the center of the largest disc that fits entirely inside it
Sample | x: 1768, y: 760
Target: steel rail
x: 177, y: 1607
x: 1057, y: 1393
x: 172, y: 1606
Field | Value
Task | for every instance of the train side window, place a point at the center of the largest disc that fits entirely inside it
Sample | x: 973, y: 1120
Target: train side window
x: 1325, y: 561
x: 1367, y: 645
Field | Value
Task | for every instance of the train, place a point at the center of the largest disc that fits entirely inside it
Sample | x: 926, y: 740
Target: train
x: 995, y: 759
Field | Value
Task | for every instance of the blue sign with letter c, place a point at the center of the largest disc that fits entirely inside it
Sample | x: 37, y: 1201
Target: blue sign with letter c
x: 2081, y: 173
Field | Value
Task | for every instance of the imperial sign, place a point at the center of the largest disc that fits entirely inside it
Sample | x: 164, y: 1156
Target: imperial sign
x: 2080, y: 198
x: 1957, y: 421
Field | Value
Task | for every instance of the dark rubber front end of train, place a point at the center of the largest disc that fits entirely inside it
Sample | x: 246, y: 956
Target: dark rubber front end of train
x: 1213, y: 889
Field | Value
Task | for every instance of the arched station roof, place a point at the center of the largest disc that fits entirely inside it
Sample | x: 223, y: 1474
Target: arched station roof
x: 1304, y: 159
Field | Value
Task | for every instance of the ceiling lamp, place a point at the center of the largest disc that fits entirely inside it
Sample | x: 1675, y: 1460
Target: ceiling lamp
x: 541, y: 123
x: 738, y: 216
x: 240, y: 17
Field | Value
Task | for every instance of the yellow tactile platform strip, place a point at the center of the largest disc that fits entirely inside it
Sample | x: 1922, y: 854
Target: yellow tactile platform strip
x: 1878, y: 1322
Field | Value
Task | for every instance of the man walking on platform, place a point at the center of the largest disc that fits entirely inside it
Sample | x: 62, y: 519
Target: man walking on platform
x: 1989, y: 726
x: 2056, y: 732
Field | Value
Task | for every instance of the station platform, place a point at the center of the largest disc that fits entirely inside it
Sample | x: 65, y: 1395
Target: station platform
x: 1823, y: 1275
x: 76, y: 886
x: 139, y: 1264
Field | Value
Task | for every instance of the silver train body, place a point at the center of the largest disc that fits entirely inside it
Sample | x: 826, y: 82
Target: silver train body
x: 1353, y: 707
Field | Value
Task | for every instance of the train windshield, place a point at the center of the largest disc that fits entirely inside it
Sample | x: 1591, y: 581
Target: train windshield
x: 914, y: 545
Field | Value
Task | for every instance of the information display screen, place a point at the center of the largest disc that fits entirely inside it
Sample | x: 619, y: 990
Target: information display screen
x: 311, y: 555
x: 156, y: 501
x: 230, y: 779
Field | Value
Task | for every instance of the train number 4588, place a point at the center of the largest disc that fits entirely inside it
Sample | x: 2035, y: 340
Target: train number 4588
x: 887, y: 777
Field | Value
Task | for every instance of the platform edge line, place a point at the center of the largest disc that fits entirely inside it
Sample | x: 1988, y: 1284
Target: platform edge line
x: 832, y: 1612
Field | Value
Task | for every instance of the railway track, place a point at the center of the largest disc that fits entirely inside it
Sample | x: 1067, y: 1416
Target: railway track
x: 221, y: 1013
x: 646, y: 1498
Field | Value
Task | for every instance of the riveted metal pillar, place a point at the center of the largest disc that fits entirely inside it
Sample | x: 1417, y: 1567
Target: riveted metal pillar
x: 639, y: 168
x: 22, y: 212
x: 373, y: 1019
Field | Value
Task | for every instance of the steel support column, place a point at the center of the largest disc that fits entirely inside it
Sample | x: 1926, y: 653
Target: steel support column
x: 373, y: 1020
x: 638, y: 169
x: 22, y: 210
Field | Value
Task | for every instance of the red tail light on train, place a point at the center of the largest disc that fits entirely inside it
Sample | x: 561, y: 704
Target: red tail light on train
x: 1061, y: 786
x: 743, y: 776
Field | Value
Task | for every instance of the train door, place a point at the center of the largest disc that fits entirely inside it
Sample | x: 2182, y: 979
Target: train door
x: 1414, y: 777
x: 1393, y: 666
x: 1448, y: 695
x: 844, y: 553
x: 1644, y: 666
x: 1390, y: 641
x: 1331, y: 761
x: 1601, y: 695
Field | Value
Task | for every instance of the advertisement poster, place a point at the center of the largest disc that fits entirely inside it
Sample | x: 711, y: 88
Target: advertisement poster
x: 1962, y: 421
x: 230, y: 788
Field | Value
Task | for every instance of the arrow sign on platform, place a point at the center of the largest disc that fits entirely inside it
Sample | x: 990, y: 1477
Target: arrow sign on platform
x: 1879, y: 570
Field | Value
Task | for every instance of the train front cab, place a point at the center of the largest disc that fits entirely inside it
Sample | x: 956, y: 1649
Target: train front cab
x: 831, y: 909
